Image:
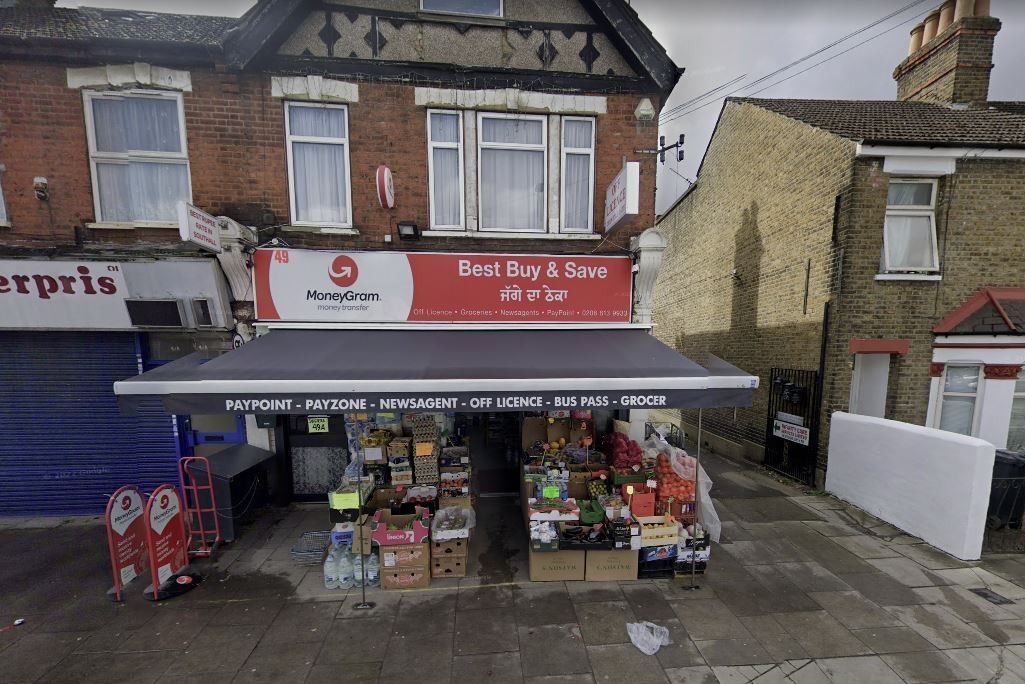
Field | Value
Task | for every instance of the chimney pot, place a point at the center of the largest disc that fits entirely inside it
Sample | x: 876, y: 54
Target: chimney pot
x: 916, y: 39
x: 946, y: 16
x: 931, y: 23
x: 964, y: 8
x: 982, y: 8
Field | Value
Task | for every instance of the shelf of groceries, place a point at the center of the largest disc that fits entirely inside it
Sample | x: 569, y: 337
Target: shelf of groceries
x: 596, y: 505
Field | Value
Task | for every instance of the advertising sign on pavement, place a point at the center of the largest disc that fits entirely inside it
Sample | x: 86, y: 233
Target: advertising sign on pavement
x: 165, y: 534
x: 126, y: 536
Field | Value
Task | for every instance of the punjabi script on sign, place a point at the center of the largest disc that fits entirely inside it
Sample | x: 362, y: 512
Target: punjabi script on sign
x: 514, y: 293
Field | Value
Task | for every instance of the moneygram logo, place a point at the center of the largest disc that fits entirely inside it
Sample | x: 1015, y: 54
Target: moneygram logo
x: 343, y: 271
x: 126, y: 503
x: 164, y: 500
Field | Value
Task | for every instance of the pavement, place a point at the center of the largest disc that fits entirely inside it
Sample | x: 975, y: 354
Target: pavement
x: 802, y: 588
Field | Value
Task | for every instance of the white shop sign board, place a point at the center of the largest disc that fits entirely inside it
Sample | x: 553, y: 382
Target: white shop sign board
x: 198, y: 227
x: 85, y: 295
x: 791, y: 432
x: 622, y: 197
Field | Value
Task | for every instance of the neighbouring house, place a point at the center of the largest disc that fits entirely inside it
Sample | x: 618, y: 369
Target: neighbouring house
x: 861, y: 256
x: 478, y: 126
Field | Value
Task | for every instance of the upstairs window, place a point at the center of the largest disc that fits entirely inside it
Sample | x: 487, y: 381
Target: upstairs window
x: 445, y: 168
x: 960, y: 391
x: 318, y: 164
x: 3, y: 206
x: 577, y: 175
x: 138, y: 155
x: 513, y: 163
x: 909, y: 234
x: 485, y: 8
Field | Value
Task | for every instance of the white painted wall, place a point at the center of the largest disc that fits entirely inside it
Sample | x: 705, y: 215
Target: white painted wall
x: 930, y: 483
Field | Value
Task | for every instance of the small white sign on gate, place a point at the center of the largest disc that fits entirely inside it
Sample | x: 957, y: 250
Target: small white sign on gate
x: 791, y: 432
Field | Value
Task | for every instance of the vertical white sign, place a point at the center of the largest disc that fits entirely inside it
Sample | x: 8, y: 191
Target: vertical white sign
x: 622, y: 197
x: 198, y: 227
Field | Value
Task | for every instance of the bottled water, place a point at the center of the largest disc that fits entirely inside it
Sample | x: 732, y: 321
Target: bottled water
x: 345, y: 569
x: 357, y: 570
x: 373, y: 567
x: 331, y: 569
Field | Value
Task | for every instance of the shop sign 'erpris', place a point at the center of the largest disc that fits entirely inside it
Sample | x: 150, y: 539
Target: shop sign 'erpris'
x: 396, y: 287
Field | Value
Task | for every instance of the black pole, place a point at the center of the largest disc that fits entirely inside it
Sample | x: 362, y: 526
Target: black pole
x: 364, y: 604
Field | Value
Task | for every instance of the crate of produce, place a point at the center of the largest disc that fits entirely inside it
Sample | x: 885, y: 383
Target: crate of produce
x: 640, y: 498
x: 455, y: 455
x: 591, y: 512
x: 406, y: 578
x: 557, y: 510
x: 621, y: 476
x: 348, y: 496
x: 446, y: 501
x: 393, y: 530
x: 657, y: 530
x: 615, y: 506
x: 405, y: 556
x: 583, y: 538
x: 424, y: 448
x: 454, y: 480
x: 453, y: 523
x: 544, y: 536
x: 681, y: 510
x: 400, y: 447
x: 402, y: 476
x: 450, y: 547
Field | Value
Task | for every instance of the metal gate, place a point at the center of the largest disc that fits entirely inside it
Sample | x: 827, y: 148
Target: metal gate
x: 65, y: 447
x: 792, y: 425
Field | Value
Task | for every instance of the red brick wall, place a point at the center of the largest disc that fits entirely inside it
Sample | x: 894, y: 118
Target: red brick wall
x: 237, y: 155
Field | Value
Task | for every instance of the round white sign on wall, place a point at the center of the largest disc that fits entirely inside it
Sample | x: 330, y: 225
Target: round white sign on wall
x: 385, y: 187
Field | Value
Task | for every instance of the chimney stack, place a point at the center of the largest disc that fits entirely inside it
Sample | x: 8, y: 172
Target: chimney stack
x: 950, y: 55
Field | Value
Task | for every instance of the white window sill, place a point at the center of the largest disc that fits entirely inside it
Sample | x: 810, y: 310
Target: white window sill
x: 909, y: 276
x: 326, y: 230
x: 5, y: 224
x: 491, y: 234
x: 130, y: 225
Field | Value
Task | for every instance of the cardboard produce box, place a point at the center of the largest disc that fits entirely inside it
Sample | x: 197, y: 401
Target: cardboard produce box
x: 608, y: 566
x: 566, y: 511
x: 455, y: 501
x: 448, y: 566
x: 405, y: 578
x: 557, y: 566
x: 405, y: 556
x: 417, y: 533
x: 534, y: 430
x: 450, y: 547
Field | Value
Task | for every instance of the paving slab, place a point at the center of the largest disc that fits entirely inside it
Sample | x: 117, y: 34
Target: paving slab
x: 488, y: 630
x: 356, y: 673
x: 892, y: 639
x: 474, y: 596
x: 1004, y: 631
x: 828, y: 554
x: 762, y: 551
x: 648, y: 602
x: 740, y: 674
x: 766, y: 509
x: 983, y: 664
x: 808, y: 672
x: 773, y: 638
x: 968, y: 606
x: 908, y: 572
x: 354, y: 641
x: 709, y: 619
x: 487, y: 668
x: 547, y: 603
x: 811, y: 576
x: 386, y: 604
x: 832, y: 528
x: 278, y: 662
x: 940, y: 627
x: 552, y: 650
x: 732, y: 652
x: 217, y: 649
x: 604, y: 623
x: 821, y: 635
x: 858, y: 670
x: 853, y: 610
x: 883, y: 589
x: 248, y: 612
x: 592, y: 592
x: 929, y: 666
x: 618, y: 663
x: 423, y: 657
x: 864, y: 546
x: 134, y: 667
x: 929, y: 557
x: 298, y: 623
x: 561, y: 679
x: 699, y: 674
x: 681, y: 652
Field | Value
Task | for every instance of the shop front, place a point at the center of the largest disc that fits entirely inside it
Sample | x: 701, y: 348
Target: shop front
x: 462, y: 409
x: 68, y: 330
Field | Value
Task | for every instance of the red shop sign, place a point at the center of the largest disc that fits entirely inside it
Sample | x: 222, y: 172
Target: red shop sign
x: 126, y: 536
x: 389, y: 287
x: 165, y: 534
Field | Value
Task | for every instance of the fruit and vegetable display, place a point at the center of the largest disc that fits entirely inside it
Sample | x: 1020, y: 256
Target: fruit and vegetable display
x: 671, y: 485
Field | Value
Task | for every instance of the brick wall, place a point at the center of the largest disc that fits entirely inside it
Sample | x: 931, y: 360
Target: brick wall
x: 953, y: 67
x: 763, y: 208
x: 238, y: 164
x: 979, y: 224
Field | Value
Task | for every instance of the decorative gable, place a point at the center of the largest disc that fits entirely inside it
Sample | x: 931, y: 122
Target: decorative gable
x: 990, y: 311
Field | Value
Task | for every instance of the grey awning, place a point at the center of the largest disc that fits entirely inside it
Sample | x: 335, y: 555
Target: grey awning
x: 341, y: 371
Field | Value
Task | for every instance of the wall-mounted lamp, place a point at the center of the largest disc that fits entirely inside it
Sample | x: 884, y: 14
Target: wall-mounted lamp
x: 645, y: 110
x: 408, y: 230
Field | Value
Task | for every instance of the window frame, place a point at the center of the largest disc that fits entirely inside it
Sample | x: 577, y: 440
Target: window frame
x: 5, y: 219
x: 97, y: 157
x: 543, y: 147
x: 912, y: 210
x: 459, y: 146
x: 500, y: 15
x: 290, y: 139
x: 977, y: 395
x: 592, y: 153
x: 1015, y: 397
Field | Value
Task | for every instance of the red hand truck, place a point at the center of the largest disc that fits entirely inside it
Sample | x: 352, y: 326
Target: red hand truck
x: 200, y: 502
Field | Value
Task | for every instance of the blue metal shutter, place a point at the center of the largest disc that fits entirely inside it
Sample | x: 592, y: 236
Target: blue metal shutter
x: 64, y: 445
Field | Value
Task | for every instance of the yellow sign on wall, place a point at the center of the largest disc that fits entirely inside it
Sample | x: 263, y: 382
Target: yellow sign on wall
x: 316, y: 424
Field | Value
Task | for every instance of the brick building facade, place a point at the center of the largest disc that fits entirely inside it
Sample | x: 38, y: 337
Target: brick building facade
x: 278, y: 122
x: 777, y: 257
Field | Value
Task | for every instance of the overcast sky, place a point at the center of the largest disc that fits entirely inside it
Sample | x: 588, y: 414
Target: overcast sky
x: 719, y: 41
